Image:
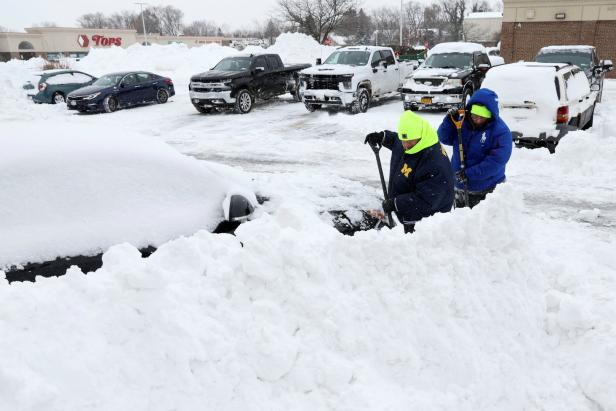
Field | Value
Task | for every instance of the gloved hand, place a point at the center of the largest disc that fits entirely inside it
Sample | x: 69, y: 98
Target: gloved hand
x: 453, y: 113
x: 389, y: 205
x: 375, y: 138
x: 461, y: 177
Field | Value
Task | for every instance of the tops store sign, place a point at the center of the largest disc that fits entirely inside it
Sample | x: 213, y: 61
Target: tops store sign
x: 98, y: 40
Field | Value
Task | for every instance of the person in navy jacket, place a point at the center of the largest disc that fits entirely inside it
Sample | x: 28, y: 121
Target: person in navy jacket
x: 420, y: 176
x: 486, y: 142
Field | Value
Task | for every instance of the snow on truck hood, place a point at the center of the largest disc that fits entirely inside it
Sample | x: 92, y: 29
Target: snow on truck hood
x: 78, y: 194
x: 332, y: 69
x: 434, y: 72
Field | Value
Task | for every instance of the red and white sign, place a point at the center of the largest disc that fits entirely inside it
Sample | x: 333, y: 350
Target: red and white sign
x: 99, y: 40
x: 83, y: 40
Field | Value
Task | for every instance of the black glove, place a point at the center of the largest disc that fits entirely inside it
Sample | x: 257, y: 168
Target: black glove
x: 461, y: 177
x: 389, y: 205
x: 375, y: 138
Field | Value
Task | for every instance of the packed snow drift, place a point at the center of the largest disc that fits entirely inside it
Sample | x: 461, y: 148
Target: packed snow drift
x: 508, y: 306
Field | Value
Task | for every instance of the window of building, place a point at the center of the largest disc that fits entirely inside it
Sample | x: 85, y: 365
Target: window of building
x: 25, y: 45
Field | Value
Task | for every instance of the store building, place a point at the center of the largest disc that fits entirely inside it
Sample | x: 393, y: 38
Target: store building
x: 530, y: 25
x: 53, y: 43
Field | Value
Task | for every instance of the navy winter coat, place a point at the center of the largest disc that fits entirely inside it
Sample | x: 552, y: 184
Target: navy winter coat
x: 486, y: 150
x: 421, y: 184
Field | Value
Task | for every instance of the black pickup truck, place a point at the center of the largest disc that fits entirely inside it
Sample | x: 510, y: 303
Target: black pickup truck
x: 237, y: 82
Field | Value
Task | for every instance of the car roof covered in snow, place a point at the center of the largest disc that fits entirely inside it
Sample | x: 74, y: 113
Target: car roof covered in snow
x: 363, y: 48
x: 456, y: 47
x: 531, y: 64
x: 553, y: 49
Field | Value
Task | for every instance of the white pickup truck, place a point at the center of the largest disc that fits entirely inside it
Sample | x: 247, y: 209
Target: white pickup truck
x: 351, y: 77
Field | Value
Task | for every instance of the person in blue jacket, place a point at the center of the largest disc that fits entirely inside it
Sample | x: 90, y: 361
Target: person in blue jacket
x: 486, y: 144
x: 420, y: 175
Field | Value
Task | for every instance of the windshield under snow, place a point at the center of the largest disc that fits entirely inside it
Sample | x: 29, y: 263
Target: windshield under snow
x: 580, y: 59
x: 233, y: 64
x: 108, y: 80
x: 352, y: 58
x: 449, y: 60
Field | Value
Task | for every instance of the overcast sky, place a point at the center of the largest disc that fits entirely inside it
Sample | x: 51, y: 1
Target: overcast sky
x: 233, y: 13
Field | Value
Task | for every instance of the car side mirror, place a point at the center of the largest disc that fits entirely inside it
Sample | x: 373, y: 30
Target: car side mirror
x: 483, y: 67
x: 122, y: 85
x: 238, y: 208
x: 595, y: 87
x: 607, y: 65
x: 259, y: 69
x: 319, y: 62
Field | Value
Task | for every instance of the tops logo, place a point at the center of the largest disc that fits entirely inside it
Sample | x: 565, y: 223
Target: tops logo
x: 99, y: 40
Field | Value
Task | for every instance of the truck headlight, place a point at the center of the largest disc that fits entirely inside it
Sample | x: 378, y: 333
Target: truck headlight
x: 453, y: 82
x: 347, y: 81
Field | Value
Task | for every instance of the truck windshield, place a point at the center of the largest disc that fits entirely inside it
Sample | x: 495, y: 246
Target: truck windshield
x: 233, y: 64
x: 108, y: 80
x: 352, y: 58
x: 449, y: 60
x: 580, y: 59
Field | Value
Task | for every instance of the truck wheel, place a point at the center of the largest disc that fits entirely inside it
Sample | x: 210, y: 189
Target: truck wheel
x: 592, y: 117
x: 243, y: 102
x: 362, y: 103
x: 295, y: 93
x: 202, y: 110
x: 312, y: 107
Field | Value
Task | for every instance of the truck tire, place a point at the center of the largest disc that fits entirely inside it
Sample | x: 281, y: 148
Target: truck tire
x: 312, y: 107
x: 362, y: 103
x: 295, y: 93
x: 244, y: 102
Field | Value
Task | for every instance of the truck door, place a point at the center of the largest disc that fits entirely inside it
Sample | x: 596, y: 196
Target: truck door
x: 378, y: 75
x: 278, y: 76
x: 391, y: 72
x: 260, y: 77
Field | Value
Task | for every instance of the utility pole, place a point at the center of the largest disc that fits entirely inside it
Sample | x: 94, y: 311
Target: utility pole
x: 401, y: 20
x: 145, y: 34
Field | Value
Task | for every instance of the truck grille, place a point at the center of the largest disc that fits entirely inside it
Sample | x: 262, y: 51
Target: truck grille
x: 208, y: 86
x: 434, y: 82
x: 320, y: 82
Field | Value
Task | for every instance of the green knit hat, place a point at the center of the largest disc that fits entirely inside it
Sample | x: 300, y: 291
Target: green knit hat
x: 481, y: 111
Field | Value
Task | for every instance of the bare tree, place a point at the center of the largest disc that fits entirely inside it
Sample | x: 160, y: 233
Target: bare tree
x: 478, y: 6
x: 45, y: 24
x: 93, y: 21
x: 201, y: 28
x: 170, y: 20
x: 123, y: 20
x: 453, y: 12
x: 317, y: 18
x: 272, y: 30
x: 414, y: 21
x: 387, y: 21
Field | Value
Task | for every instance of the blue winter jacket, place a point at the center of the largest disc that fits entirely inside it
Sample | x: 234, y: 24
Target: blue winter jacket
x: 421, y: 184
x: 486, y: 150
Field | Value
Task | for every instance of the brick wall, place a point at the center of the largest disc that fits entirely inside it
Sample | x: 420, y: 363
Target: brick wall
x: 522, y: 41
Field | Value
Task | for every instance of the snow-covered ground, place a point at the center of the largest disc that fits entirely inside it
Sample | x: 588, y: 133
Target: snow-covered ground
x: 509, y: 306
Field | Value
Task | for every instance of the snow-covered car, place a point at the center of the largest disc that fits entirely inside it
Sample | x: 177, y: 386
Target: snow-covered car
x: 351, y: 77
x: 448, y: 78
x: 66, y: 200
x: 584, y: 57
x: 541, y: 102
x: 52, y: 86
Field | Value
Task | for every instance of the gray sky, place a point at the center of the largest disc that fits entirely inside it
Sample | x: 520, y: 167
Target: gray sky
x: 233, y: 13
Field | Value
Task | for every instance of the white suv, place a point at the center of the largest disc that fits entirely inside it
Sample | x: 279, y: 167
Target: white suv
x: 541, y: 102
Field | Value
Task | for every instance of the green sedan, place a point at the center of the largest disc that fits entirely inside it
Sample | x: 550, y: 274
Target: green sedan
x: 54, y: 85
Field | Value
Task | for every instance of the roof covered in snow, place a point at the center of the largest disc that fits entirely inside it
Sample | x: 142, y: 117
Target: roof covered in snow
x: 456, y: 47
x: 579, y: 48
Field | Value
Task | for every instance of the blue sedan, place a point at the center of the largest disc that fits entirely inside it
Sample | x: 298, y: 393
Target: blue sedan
x: 114, y: 91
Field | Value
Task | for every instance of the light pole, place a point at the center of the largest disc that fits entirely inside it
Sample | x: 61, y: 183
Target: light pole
x: 145, y: 34
x: 401, y: 11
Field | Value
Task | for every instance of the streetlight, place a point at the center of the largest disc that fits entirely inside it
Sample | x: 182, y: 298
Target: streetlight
x: 145, y: 34
x: 401, y: 11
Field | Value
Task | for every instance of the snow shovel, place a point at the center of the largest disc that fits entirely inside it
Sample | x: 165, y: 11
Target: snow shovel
x: 376, y: 148
x: 458, y: 124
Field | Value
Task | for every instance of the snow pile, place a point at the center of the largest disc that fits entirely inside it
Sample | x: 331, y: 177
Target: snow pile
x: 13, y: 75
x: 297, y: 48
x: 437, y: 320
x: 80, y: 194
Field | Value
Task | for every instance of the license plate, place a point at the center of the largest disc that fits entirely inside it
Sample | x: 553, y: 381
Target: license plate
x: 73, y: 103
x: 426, y: 100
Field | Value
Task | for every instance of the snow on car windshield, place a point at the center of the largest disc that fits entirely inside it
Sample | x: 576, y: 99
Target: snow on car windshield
x: 579, y: 58
x: 449, y: 60
x: 108, y: 80
x: 234, y: 64
x: 352, y: 58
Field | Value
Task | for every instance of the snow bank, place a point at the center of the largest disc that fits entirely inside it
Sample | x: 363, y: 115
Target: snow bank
x: 80, y: 193
x: 297, y: 48
x: 378, y: 321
